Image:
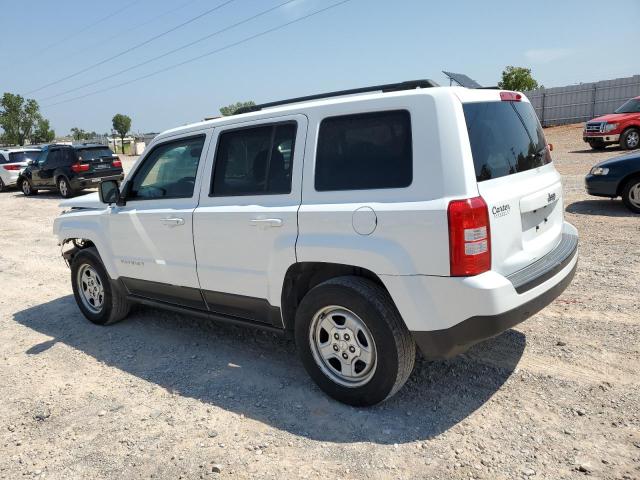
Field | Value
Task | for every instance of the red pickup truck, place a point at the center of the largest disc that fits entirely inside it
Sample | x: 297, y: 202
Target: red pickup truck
x: 621, y: 127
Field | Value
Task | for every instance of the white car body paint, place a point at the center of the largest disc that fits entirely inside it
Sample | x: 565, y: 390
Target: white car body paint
x: 220, y: 249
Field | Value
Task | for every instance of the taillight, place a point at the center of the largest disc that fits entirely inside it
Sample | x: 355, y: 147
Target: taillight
x: 80, y: 167
x: 12, y: 167
x: 469, y: 237
x: 116, y: 163
x: 510, y: 97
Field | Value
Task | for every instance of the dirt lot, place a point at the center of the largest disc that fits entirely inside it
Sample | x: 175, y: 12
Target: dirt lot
x: 164, y: 396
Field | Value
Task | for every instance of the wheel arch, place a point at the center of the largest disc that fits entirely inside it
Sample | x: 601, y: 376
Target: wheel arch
x: 633, y: 126
x: 303, y: 276
x: 83, y: 234
x: 623, y: 182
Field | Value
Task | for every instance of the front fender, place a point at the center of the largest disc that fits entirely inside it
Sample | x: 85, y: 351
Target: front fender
x: 87, y: 225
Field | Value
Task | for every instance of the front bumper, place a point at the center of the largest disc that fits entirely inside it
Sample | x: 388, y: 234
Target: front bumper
x: 601, y: 185
x: 604, y: 138
x: 447, y: 315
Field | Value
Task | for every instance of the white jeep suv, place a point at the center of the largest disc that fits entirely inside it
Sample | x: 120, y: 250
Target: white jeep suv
x: 365, y: 225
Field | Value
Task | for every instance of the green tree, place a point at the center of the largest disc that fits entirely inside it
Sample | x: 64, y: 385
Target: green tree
x: 78, y: 134
x: 233, y: 108
x: 43, y: 132
x: 122, y: 125
x: 18, y: 117
x: 518, y: 79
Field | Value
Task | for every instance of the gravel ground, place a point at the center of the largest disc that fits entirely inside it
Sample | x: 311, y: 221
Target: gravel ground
x: 164, y: 396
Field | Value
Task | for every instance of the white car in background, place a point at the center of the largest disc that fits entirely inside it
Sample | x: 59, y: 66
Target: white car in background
x: 12, y: 162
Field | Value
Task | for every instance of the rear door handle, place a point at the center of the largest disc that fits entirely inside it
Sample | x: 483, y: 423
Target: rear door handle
x: 266, y: 222
x: 173, y: 221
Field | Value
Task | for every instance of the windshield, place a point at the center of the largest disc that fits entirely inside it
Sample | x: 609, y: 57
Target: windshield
x: 17, y: 157
x: 88, y: 154
x: 506, y: 138
x: 630, y: 106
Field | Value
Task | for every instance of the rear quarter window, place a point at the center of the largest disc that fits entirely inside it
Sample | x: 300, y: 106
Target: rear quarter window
x: 364, y: 151
x: 506, y: 138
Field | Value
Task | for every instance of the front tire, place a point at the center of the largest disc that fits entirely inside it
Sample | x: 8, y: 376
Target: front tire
x: 630, y: 139
x: 631, y: 195
x: 353, y: 342
x: 597, y: 145
x: 27, y: 188
x: 99, y: 301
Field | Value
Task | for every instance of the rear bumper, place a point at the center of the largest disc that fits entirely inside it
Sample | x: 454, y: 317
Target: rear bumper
x: 605, y: 138
x: 9, y: 177
x: 446, y: 315
x: 78, y: 183
x: 452, y: 341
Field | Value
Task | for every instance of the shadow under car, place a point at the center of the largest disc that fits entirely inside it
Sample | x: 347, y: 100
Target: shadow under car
x: 258, y: 374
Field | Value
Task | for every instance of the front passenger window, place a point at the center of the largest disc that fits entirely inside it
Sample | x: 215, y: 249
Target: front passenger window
x: 169, y: 171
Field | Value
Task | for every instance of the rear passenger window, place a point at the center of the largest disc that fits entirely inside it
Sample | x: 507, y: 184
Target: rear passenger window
x: 365, y: 151
x: 254, y: 161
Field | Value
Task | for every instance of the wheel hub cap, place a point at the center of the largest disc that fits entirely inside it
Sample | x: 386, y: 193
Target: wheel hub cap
x: 90, y: 288
x: 343, y: 346
x: 634, y: 195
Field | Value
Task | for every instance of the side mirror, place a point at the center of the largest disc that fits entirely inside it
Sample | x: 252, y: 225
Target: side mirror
x: 110, y: 193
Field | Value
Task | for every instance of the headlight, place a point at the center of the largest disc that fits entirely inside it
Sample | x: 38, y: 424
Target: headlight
x: 610, y: 126
x: 599, y: 171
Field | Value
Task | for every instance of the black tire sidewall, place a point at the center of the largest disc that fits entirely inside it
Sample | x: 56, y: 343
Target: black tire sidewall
x: 625, y: 136
x: 30, y: 187
x: 626, y: 191
x: 69, y: 191
x: 90, y: 256
x: 384, y: 378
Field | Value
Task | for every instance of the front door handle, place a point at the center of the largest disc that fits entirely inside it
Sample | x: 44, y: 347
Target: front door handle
x: 266, y: 222
x: 173, y: 221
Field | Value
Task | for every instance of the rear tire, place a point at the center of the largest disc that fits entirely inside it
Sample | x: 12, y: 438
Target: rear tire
x: 630, y: 139
x: 27, y: 188
x: 596, y: 145
x: 65, y: 188
x: 2, y: 187
x: 631, y: 194
x: 353, y: 342
x: 100, y: 301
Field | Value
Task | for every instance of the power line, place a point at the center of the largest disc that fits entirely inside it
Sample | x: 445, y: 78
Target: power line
x: 170, y: 52
x: 88, y: 27
x: 212, y: 52
x: 149, y: 40
x: 105, y: 40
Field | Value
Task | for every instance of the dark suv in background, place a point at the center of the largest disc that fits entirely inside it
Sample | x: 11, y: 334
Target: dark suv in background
x: 70, y: 168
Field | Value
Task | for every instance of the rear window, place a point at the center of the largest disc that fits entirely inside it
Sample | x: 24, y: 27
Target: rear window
x: 17, y: 157
x: 88, y: 154
x: 506, y: 138
x: 365, y: 151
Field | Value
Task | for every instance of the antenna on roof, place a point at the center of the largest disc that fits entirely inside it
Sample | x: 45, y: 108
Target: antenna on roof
x: 390, y: 87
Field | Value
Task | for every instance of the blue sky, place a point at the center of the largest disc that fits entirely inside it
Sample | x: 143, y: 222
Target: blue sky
x: 359, y: 43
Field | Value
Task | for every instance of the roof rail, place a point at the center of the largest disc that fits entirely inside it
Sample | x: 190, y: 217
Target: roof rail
x: 390, y: 87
